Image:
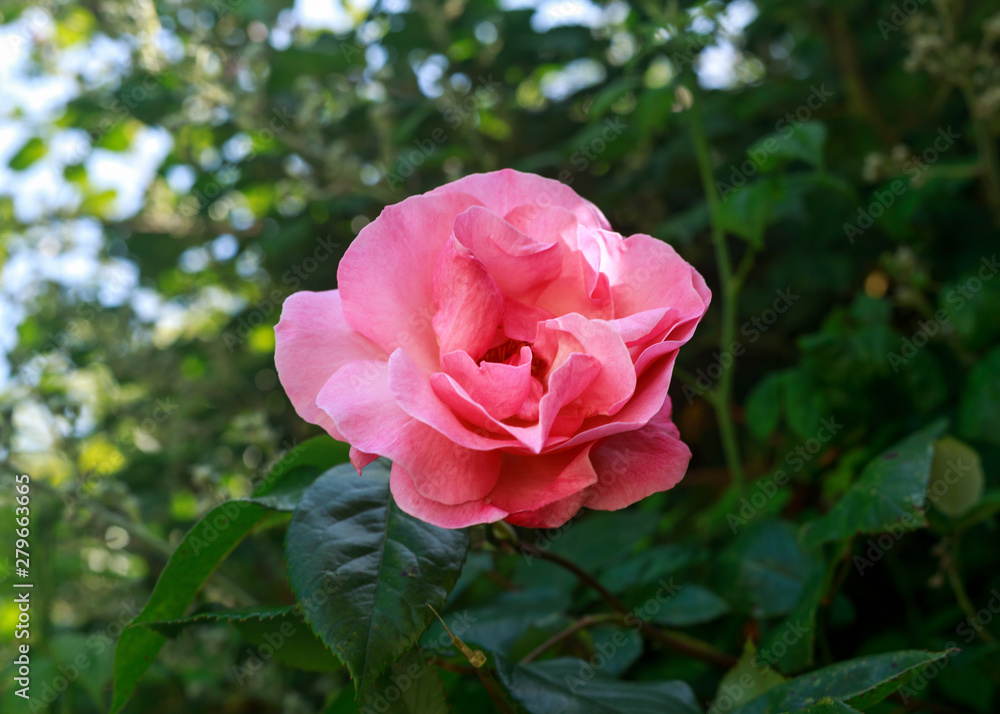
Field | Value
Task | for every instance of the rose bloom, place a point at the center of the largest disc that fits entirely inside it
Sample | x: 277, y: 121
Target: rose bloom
x: 506, y: 349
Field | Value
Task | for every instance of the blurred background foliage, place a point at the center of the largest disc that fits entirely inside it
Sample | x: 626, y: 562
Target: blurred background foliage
x: 171, y: 170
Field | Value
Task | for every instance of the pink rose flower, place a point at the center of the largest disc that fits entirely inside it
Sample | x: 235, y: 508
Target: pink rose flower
x: 506, y: 349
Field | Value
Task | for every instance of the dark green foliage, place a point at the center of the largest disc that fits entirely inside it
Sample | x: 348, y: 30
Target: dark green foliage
x: 855, y: 163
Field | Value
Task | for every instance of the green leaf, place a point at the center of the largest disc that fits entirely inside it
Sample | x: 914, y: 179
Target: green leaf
x: 826, y: 705
x: 692, y: 605
x: 595, y: 541
x: 620, y: 648
x: 803, y: 141
x: 804, y: 405
x: 279, y: 627
x: 602, y: 538
x: 650, y: 565
x: 764, y: 406
x: 118, y: 137
x: 498, y: 623
x: 197, y: 556
x: 364, y: 572
x: 889, y: 492
x: 289, y: 478
x: 570, y: 686
x: 172, y: 627
x: 409, y: 686
x: 745, y: 211
x: 859, y: 683
x: 76, y: 26
x: 764, y: 570
x: 683, y: 226
x: 745, y: 681
x: 291, y: 640
x: 73, y: 650
x: 32, y: 151
x: 979, y: 412
x: 789, y: 646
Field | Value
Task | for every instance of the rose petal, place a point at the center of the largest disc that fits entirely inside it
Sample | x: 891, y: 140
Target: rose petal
x: 579, y: 285
x: 460, y: 515
x: 469, y: 304
x: 360, y: 459
x: 412, y: 390
x: 502, y: 191
x: 646, y: 402
x: 614, y: 383
x: 553, y: 515
x: 528, y: 482
x: 565, y: 385
x: 359, y: 401
x: 639, y: 328
x: 580, y: 289
x: 518, y: 263
x: 547, y: 223
x: 312, y: 341
x: 646, y: 273
x: 636, y: 464
x: 500, y: 389
x: 520, y: 321
x: 386, y: 277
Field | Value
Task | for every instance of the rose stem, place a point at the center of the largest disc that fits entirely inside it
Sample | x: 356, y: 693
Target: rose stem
x: 493, y: 689
x: 451, y: 666
x: 677, y: 641
x: 581, y: 624
x: 949, y: 563
x: 731, y: 284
